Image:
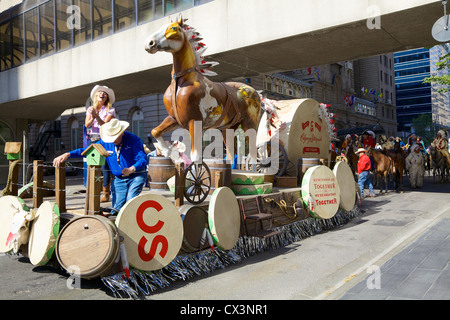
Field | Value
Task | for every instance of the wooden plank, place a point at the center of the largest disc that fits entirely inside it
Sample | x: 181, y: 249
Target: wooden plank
x: 60, y: 187
x: 95, y: 184
x: 179, y: 184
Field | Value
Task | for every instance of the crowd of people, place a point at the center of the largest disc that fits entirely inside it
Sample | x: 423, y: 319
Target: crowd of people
x: 416, y: 154
x: 128, y: 160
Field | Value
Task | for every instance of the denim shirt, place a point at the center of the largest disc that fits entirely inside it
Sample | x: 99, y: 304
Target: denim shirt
x: 131, y: 154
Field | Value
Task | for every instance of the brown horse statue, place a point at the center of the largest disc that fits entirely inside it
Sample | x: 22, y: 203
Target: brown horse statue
x: 192, y: 97
x: 383, y: 165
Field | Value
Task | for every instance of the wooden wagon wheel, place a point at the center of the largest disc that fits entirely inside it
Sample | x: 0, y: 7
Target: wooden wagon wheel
x: 197, y: 182
x: 264, y: 160
x: 291, y: 169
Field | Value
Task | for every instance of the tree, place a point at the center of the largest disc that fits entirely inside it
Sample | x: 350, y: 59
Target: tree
x: 444, y: 79
x: 424, y: 128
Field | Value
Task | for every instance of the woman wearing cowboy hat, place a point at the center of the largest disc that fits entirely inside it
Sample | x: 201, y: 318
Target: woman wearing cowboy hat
x: 99, y: 113
x: 364, y: 172
x: 127, y: 161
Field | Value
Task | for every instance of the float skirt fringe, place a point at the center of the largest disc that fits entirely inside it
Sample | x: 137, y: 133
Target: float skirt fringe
x: 186, y: 266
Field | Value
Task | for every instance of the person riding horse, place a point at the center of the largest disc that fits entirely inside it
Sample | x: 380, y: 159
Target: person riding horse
x: 441, y: 145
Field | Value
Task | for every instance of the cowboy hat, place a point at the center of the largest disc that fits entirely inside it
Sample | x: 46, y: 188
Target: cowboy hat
x: 360, y: 150
x: 111, y: 130
x: 109, y: 92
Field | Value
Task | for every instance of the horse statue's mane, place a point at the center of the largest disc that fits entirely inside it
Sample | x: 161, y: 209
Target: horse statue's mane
x: 195, y: 40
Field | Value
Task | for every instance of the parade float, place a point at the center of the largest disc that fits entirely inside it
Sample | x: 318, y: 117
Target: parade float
x: 287, y: 188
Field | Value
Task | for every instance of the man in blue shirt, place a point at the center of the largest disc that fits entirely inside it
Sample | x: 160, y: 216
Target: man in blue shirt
x: 127, y: 161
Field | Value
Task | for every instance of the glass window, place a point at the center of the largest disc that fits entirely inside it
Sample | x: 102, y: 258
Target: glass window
x: 47, y: 25
x: 5, y: 46
x: 74, y: 135
x: 199, y: 2
x: 64, y: 24
x: 17, y: 45
x: 137, y: 124
x: 124, y: 14
x: 83, y: 33
x: 32, y: 34
x: 6, y: 134
x: 102, y: 18
x: 173, y: 6
x: 149, y: 10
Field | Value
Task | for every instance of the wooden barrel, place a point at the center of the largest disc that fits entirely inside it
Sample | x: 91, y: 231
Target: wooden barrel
x: 304, y: 164
x: 195, y: 220
x: 88, y: 246
x: 218, y: 165
x: 160, y: 169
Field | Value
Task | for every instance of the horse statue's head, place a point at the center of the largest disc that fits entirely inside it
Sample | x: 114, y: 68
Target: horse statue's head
x: 180, y: 38
x: 169, y: 38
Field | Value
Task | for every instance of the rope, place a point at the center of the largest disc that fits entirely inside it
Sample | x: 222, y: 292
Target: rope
x: 12, y: 166
x: 15, y: 166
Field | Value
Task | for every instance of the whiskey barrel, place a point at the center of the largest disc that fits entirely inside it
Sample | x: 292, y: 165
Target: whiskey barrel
x: 88, y: 246
x: 304, y: 164
x: 160, y: 169
x: 218, y: 165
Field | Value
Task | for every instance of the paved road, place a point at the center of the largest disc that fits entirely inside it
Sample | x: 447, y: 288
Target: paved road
x: 330, y: 265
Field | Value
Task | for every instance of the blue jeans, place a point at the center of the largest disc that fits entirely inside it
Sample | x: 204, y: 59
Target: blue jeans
x: 363, y: 179
x: 127, y: 188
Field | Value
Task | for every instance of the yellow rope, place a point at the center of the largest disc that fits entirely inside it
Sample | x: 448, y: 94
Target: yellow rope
x: 12, y: 167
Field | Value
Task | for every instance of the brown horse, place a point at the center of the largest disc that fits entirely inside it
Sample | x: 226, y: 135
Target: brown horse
x: 192, y: 97
x: 398, y: 165
x: 439, y: 164
x: 383, y: 165
x: 352, y: 158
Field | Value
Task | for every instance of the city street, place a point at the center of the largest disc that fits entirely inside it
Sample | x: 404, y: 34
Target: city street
x: 324, y: 266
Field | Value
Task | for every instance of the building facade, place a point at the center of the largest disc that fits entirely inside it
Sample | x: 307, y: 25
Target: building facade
x: 414, y: 97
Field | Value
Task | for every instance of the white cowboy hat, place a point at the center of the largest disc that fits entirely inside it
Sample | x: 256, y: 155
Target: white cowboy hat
x: 111, y: 130
x: 360, y: 150
x: 109, y: 92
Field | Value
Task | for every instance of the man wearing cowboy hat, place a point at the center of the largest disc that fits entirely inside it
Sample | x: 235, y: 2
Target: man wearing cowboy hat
x: 364, y: 172
x: 127, y: 160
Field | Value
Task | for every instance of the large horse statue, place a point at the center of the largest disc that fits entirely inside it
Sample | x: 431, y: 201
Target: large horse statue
x: 191, y: 97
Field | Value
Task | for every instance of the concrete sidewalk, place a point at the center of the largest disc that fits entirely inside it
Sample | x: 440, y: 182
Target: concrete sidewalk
x: 421, y: 271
